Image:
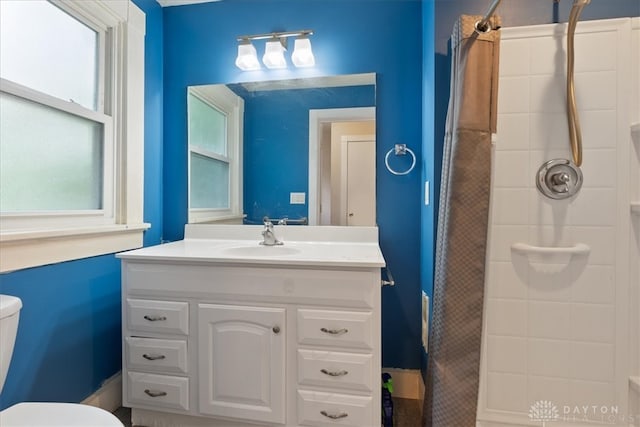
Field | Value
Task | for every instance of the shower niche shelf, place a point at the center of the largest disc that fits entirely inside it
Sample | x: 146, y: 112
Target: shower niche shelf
x: 547, y: 254
x: 526, y: 249
x: 635, y: 208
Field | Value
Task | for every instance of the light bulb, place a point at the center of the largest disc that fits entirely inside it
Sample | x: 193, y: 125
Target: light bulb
x: 274, y: 55
x: 247, y: 59
x: 302, y: 54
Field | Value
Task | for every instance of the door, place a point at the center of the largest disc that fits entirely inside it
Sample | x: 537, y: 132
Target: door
x: 358, y: 182
x: 241, y: 362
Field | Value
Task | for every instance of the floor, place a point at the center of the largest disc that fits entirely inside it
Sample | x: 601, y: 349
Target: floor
x: 406, y: 413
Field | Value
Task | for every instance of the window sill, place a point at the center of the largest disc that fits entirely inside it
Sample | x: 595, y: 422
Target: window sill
x: 222, y: 219
x: 25, y: 249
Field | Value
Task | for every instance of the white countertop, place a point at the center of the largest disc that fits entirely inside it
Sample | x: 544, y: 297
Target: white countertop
x: 320, y: 246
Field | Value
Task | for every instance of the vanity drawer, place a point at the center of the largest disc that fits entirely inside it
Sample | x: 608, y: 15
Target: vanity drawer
x: 158, y: 316
x: 156, y: 354
x: 335, y: 328
x: 333, y: 369
x: 319, y: 409
x: 163, y: 391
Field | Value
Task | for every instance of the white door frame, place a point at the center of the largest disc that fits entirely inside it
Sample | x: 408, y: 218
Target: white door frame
x: 316, y: 118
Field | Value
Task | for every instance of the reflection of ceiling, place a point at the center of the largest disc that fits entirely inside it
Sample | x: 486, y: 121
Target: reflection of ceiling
x: 167, y: 3
x: 313, y: 82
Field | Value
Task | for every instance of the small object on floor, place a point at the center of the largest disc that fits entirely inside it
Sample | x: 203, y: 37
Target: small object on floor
x: 387, y: 402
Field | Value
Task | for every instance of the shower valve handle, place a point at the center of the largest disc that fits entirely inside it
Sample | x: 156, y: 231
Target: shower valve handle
x: 561, y: 179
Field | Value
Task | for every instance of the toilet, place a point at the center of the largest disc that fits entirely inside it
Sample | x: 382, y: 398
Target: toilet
x: 40, y: 414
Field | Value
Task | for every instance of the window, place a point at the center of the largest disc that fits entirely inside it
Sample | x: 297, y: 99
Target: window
x: 215, y: 154
x: 71, y: 136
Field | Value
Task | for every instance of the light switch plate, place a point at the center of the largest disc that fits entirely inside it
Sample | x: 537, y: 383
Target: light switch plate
x: 426, y: 193
x: 297, y: 198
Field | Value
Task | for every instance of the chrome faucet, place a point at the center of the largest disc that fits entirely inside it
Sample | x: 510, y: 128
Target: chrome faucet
x: 268, y: 234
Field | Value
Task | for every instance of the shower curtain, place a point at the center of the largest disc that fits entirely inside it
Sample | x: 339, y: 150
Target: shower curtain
x: 456, y: 329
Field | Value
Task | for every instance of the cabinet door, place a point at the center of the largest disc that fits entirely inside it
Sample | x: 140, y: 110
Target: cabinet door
x: 241, y: 362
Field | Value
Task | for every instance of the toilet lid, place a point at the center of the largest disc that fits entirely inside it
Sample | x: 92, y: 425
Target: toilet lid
x: 38, y: 414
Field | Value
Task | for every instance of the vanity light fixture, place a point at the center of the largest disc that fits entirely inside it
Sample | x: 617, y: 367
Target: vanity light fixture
x: 274, y: 50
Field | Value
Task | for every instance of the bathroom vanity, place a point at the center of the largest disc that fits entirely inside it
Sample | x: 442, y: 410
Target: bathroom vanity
x: 221, y: 331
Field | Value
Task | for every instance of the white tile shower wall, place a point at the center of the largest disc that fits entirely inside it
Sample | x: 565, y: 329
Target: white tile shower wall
x: 556, y: 328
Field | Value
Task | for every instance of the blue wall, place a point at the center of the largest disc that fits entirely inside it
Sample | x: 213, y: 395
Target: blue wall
x: 69, y: 338
x: 351, y: 36
x: 277, y: 123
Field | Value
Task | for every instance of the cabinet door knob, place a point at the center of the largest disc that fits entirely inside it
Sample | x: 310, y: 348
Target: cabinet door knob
x: 341, y: 373
x: 154, y: 318
x: 276, y: 329
x: 334, y: 416
x: 153, y: 356
x: 334, y: 331
x: 155, y: 393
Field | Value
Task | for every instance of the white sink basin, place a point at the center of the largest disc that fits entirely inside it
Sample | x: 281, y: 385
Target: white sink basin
x: 260, y: 251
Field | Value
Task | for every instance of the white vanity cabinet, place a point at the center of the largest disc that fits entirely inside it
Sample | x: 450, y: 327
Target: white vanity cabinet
x: 216, y: 341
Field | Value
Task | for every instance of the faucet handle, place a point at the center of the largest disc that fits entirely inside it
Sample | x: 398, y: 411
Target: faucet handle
x: 267, y: 222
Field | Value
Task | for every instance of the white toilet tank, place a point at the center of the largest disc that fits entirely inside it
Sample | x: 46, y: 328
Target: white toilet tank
x: 9, y: 315
x: 29, y: 414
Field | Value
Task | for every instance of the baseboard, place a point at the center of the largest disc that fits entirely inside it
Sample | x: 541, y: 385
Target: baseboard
x: 109, y: 395
x: 407, y: 383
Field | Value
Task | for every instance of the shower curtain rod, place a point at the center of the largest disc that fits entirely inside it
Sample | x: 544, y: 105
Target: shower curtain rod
x: 483, y: 26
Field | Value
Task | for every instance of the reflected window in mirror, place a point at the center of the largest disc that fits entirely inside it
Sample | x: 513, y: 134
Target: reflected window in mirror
x: 215, y: 122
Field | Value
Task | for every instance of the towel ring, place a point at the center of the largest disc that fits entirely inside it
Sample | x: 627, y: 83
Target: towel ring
x: 400, y: 150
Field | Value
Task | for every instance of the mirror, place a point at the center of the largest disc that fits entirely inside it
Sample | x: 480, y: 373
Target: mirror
x: 299, y: 150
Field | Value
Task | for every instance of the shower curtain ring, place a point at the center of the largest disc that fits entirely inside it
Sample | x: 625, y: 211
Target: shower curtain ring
x: 482, y: 28
x: 400, y: 150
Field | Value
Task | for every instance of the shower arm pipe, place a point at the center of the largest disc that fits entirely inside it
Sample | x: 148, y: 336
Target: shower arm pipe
x: 575, y: 135
x: 483, y: 26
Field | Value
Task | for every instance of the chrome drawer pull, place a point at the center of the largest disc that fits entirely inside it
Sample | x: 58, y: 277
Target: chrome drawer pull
x: 334, y: 416
x: 334, y: 373
x: 153, y: 356
x: 334, y: 331
x: 154, y: 318
x: 155, y: 393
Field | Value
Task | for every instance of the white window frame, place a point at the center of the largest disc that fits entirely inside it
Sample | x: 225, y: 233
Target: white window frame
x: 228, y: 103
x: 35, y: 239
